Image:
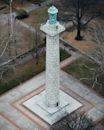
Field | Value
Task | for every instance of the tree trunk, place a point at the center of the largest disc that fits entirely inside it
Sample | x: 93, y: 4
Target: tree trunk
x: 78, y: 36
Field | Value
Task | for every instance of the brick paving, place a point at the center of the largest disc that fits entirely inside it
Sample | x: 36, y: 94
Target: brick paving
x: 14, y: 116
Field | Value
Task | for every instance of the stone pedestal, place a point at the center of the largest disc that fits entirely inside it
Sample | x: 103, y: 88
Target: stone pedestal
x: 51, y: 115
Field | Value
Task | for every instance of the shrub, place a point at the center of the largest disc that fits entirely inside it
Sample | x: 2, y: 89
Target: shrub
x: 21, y: 14
x: 75, y: 121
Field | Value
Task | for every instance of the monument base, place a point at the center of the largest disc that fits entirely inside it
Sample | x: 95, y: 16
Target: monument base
x: 37, y: 105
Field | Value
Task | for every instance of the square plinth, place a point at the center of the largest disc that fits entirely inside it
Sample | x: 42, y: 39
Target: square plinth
x: 37, y: 105
x: 52, y: 110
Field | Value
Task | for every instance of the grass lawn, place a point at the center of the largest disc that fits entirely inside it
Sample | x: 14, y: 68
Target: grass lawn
x: 25, y: 40
x: 80, y: 70
x: 63, y: 55
x: 6, y: 8
x: 24, y: 72
x: 37, y: 16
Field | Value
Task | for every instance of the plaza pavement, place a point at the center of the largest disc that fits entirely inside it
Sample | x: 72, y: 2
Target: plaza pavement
x: 14, y: 116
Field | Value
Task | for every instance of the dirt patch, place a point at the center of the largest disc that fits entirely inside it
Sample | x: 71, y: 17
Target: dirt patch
x: 24, y: 40
x: 84, y: 45
x: 87, y: 44
x: 18, y: 4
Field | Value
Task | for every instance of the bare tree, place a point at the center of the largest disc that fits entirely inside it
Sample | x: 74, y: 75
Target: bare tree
x: 75, y: 121
x: 80, y: 12
x: 96, y: 69
x: 37, y: 45
x: 98, y: 53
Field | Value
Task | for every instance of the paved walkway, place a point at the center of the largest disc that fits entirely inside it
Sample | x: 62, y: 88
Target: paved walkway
x: 71, y: 59
x: 13, y: 116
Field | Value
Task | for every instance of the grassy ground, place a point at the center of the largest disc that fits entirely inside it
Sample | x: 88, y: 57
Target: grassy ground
x: 24, y: 72
x: 5, y: 10
x: 82, y: 70
x: 79, y: 68
x: 37, y: 16
x: 63, y: 55
x: 17, y: 4
x: 25, y: 40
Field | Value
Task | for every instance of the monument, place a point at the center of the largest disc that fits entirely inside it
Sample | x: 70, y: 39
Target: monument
x: 53, y: 103
x: 52, y: 29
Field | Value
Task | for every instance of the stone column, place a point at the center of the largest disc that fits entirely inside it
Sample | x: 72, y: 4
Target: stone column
x: 52, y: 29
x: 52, y: 70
